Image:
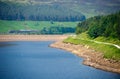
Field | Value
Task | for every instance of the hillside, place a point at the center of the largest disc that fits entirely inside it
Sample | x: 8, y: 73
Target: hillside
x: 107, y: 26
x: 42, y: 12
x: 101, y: 33
x: 56, y: 10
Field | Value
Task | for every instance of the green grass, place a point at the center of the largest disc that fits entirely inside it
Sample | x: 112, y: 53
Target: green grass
x: 108, y: 51
x: 109, y: 39
x: 5, y: 26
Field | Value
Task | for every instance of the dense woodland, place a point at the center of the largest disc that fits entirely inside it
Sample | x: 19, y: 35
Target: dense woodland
x: 108, y: 26
x: 38, y: 12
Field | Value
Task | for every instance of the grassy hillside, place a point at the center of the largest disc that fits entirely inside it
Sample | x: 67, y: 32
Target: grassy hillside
x: 60, y: 10
x: 100, y: 33
x: 38, y: 12
x: 6, y: 26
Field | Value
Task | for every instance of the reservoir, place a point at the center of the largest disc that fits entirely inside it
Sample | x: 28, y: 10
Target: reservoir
x: 36, y: 60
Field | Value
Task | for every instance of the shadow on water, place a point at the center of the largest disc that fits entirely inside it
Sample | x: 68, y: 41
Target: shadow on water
x: 5, y: 44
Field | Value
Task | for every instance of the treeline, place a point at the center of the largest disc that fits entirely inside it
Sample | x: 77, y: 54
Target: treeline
x: 57, y: 30
x: 45, y: 30
x: 38, y: 12
x: 108, y: 26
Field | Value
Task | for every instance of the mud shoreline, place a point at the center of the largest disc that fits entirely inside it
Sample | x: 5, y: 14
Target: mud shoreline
x: 32, y: 37
x: 91, y: 57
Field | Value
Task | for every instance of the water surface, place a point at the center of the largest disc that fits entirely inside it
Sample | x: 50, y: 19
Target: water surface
x: 35, y: 60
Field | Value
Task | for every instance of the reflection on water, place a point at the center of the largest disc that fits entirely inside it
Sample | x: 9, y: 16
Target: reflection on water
x: 35, y: 60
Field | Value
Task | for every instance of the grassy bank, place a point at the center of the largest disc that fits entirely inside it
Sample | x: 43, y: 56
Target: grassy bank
x: 108, y: 51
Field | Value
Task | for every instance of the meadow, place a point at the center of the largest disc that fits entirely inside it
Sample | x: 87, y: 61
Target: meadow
x: 6, y: 26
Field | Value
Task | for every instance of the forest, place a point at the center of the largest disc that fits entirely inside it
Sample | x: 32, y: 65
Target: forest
x: 38, y: 12
x: 107, y: 26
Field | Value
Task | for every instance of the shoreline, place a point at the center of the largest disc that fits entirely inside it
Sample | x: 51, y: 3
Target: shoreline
x: 90, y: 57
x: 4, y: 38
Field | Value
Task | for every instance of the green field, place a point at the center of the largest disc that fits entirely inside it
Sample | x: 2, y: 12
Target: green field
x: 108, y: 51
x: 6, y: 26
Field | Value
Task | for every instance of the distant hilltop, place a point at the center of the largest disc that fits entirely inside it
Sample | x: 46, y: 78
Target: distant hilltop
x: 17, y: 10
x: 56, y: 10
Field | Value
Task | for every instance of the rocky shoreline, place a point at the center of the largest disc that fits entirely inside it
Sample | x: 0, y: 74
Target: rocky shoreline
x: 91, y: 57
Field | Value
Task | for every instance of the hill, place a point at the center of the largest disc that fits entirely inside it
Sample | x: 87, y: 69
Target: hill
x: 34, y: 11
x: 101, y: 33
x: 56, y: 10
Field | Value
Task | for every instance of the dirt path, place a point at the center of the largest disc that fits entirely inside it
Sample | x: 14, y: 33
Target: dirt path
x: 115, y: 45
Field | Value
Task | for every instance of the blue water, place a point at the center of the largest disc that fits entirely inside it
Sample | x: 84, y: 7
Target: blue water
x: 35, y: 60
